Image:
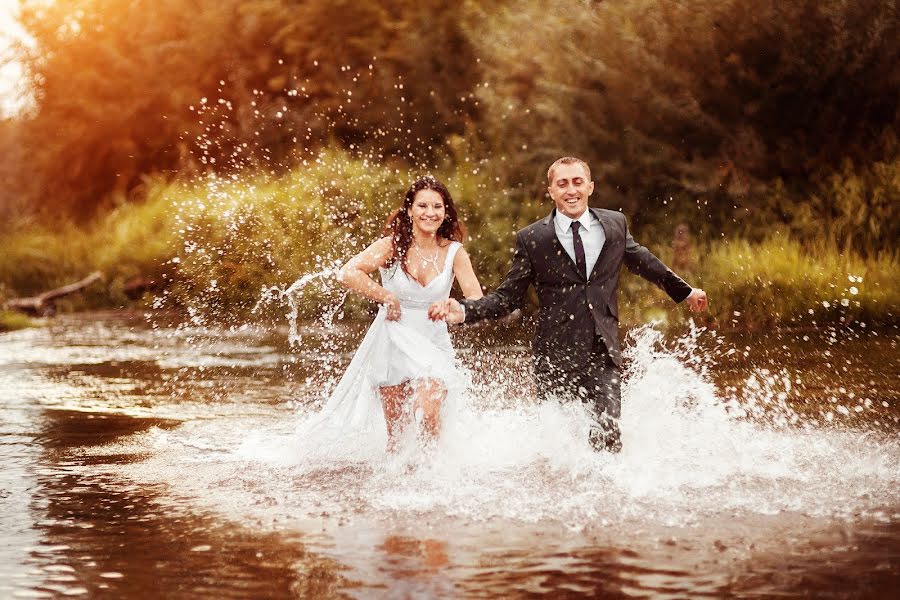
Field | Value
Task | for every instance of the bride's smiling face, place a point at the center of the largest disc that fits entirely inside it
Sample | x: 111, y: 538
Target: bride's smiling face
x: 427, y: 212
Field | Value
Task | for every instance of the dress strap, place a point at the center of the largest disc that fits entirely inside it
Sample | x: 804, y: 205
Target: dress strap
x: 451, y: 254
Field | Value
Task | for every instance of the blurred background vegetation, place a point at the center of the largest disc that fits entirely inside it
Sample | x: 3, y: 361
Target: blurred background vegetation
x: 197, y: 152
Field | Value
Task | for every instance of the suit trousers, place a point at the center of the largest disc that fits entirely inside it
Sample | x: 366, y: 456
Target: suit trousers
x: 598, y: 385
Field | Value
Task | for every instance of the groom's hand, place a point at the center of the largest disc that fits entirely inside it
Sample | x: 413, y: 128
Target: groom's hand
x: 697, y: 300
x: 448, y: 310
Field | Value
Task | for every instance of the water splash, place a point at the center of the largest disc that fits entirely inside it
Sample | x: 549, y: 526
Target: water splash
x: 326, y: 282
x: 691, y: 451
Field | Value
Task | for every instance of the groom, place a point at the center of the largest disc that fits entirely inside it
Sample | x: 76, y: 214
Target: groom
x: 573, y: 258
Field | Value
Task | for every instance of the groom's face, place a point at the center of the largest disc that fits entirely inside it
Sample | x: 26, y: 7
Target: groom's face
x: 570, y: 189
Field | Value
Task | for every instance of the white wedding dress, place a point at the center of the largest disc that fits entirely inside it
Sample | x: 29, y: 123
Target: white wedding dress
x: 410, y: 349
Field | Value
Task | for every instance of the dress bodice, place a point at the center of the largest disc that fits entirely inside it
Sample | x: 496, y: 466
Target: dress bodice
x: 414, y: 295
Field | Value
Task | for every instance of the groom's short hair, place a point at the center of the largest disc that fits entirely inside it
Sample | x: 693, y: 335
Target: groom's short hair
x: 567, y: 160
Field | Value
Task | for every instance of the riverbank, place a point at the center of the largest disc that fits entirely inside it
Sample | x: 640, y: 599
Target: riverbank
x: 211, y: 247
x: 13, y: 321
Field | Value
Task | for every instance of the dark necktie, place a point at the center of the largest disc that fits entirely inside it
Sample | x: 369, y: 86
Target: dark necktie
x: 579, y: 249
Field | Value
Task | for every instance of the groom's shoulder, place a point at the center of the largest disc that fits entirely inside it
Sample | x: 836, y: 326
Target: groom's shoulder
x: 611, y: 216
x: 614, y: 215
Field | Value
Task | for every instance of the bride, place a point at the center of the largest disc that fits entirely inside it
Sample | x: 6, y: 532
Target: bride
x: 405, y: 366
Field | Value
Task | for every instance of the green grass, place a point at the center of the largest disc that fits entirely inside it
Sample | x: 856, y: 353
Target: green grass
x: 217, y: 243
x: 779, y: 281
x: 11, y: 321
x: 132, y: 240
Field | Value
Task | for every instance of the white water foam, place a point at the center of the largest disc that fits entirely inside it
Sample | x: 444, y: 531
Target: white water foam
x: 689, y: 452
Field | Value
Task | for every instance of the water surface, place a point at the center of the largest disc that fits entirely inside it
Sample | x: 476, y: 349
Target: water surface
x: 149, y: 461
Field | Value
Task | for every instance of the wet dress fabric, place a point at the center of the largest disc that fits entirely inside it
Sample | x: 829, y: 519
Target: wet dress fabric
x: 409, y: 350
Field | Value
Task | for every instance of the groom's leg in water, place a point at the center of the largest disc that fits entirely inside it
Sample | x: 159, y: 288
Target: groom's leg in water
x: 598, y: 386
x: 430, y: 395
x: 395, y: 403
x: 602, y: 385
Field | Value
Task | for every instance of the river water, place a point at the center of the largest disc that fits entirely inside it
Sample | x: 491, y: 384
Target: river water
x: 150, y: 460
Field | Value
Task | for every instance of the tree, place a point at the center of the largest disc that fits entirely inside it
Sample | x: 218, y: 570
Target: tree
x: 123, y: 90
x: 700, y: 98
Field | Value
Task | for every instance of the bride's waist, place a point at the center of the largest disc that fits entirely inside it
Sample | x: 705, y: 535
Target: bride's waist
x: 413, y: 305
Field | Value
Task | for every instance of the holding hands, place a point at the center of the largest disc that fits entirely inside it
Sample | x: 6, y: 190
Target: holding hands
x: 448, y: 310
x: 697, y: 300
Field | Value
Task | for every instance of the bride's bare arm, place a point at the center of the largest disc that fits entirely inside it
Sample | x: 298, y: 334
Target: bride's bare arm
x: 465, y: 275
x: 355, y: 275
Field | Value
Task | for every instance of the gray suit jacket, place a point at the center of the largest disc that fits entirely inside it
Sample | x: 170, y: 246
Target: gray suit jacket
x: 573, y: 308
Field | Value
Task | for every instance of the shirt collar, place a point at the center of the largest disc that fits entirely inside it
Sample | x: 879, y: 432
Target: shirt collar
x: 565, y: 223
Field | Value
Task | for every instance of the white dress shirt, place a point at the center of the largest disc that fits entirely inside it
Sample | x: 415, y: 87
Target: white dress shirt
x: 592, y: 237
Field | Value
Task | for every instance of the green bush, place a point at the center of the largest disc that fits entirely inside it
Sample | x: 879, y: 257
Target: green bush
x: 778, y: 281
x: 11, y: 321
x: 218, y: 243
x: 133, y: 240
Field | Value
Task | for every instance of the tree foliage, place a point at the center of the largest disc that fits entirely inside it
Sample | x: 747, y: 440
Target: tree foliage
x: 123, y: 89
x: 715, y: 99
x: 750, y: 111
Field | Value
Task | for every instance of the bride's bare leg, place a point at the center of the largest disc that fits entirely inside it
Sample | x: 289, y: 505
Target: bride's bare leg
x: 430, y: 395
x: 393, y: 399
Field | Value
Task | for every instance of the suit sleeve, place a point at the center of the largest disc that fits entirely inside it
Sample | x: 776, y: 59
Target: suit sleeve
x: 510, y: 294
x: 642, y: 262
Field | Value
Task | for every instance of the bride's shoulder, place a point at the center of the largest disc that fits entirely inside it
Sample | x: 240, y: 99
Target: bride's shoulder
x: 458, y: 249
x: 451, y: 245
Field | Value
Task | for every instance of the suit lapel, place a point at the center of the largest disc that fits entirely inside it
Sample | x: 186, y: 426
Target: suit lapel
x: 607, y: 225
x: 553, y: 240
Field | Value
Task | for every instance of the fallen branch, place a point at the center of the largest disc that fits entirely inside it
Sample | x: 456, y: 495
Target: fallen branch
x: 43, y: 304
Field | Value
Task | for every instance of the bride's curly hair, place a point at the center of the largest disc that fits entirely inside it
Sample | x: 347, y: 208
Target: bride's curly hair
x: 399, y: 226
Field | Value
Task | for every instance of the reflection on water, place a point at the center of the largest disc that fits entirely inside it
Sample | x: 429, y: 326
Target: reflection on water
x: 100, y: 533
x: 154, y: 462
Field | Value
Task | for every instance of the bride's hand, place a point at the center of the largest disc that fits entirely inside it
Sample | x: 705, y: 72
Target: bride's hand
x: 448, y: 310
x: 393, y: 308
x: 438, y: 310
x: 455, y: 312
